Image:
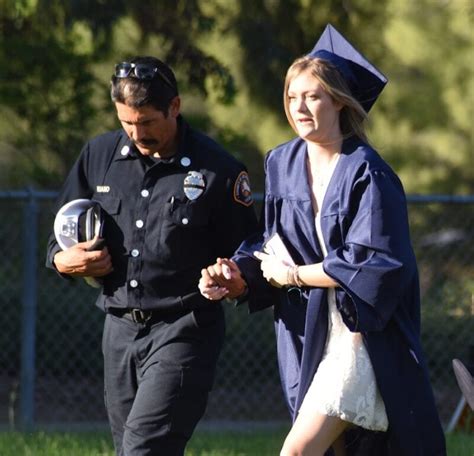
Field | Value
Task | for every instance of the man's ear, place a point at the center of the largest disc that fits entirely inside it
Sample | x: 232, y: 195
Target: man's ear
x: 175, y: 106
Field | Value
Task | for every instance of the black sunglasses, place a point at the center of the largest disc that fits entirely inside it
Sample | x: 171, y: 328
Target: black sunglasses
x: 140, y: 71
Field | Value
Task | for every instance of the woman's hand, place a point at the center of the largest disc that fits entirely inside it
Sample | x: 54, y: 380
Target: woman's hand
x: 209, y: 288
x: 274, y: 270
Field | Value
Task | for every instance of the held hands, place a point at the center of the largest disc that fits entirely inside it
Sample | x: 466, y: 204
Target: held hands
x: 77, y: 261
x: 222, y: 280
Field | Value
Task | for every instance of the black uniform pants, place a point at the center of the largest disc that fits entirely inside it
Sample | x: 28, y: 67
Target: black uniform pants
x: 157, y: 377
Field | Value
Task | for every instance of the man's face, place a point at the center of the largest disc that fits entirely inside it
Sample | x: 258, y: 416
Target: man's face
x: 152, y: 132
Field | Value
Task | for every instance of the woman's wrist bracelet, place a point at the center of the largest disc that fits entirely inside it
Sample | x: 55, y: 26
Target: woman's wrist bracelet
x: 299, y: 283
x: 290, y: 276
x: 293, y: 276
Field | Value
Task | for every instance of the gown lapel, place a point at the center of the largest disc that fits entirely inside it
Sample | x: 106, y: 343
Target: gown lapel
x: 316, y: 321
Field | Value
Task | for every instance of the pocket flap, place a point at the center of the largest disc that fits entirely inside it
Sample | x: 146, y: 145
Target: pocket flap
x: 109, y: 204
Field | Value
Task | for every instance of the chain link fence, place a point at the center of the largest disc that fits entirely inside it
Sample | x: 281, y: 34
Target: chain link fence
x: 51, y: 361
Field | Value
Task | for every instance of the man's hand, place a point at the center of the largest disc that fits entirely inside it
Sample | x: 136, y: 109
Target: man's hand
x: 77, y: 261
x: 222, y: 280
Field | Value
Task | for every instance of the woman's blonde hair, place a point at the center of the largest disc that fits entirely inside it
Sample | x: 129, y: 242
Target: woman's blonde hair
x: 352, y: 115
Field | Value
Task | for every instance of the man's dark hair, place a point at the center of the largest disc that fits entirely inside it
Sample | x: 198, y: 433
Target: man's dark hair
x: 157, y: 91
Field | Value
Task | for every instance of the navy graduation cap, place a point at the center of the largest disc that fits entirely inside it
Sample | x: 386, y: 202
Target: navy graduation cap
x: 364, y: 80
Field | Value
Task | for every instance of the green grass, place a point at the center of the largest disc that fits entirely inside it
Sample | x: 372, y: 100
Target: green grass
x: 204, y: 443
x: 55, y: 444
x: 460, y: 444
x: 248, y: 443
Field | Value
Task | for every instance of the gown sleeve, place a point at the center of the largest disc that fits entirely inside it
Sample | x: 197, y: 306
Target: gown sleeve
x: 233, y: 220
x: 375, y: 264
x: 260, y: 293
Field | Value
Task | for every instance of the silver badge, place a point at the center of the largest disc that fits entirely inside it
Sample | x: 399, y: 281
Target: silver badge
x: 194, y: 185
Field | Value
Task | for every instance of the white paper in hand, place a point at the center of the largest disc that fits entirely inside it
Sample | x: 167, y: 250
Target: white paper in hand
x: 275, y: 246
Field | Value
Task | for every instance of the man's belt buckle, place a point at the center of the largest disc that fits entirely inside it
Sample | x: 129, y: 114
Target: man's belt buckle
x: 140, y: 316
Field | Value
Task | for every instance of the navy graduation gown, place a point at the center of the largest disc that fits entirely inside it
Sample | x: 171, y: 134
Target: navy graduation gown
x: 365, y: 228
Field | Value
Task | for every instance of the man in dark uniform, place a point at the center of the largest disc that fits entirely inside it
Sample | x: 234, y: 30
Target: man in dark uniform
x: 174, y: 200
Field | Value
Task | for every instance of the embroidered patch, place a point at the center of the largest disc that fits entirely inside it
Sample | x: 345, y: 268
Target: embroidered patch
x: 103, y: 189
x: 242, y: 191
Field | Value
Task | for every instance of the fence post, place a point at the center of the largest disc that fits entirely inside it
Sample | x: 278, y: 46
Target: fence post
x: 28, y: 324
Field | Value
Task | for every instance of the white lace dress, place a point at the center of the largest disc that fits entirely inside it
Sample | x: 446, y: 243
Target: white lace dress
x: 344, y: 384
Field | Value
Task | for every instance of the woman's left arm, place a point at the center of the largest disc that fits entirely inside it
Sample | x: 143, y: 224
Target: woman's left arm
x: 280, y: 274
x: 375, y: 264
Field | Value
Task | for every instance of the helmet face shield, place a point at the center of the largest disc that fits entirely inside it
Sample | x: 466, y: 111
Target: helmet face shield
x: 79, y: 220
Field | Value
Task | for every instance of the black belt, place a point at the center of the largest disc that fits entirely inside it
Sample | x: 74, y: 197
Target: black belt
x: 144, y: 316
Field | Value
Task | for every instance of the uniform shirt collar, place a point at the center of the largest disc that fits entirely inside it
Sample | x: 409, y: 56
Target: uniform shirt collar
x: 183, y: 158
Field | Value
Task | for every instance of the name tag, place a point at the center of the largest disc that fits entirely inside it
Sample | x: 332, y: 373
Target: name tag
x: 103, y: 189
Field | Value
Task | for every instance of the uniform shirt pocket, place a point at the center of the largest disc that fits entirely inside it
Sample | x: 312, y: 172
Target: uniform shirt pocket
x: 109, y: 204
x: 184, y: 237
x: 112, y: 231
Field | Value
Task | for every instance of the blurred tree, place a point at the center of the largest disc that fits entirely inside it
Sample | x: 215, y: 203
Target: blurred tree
x: 50, y: 97
x: 423, y: 121
x: 46, y: 88
x: 231, y: 59
x: 276, y: 32
x: 427, y: 128
x: 258, y: 40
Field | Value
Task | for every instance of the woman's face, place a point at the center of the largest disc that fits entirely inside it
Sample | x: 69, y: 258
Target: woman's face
x: 314, y: 112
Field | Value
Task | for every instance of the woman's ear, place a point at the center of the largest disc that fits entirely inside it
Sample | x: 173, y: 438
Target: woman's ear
x: 337, y: 105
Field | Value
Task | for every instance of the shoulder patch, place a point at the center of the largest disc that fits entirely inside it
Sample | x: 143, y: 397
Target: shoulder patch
x: 242, y: 191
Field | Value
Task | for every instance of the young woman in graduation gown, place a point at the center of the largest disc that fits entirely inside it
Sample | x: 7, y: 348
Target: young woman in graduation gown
x: 347, y: 304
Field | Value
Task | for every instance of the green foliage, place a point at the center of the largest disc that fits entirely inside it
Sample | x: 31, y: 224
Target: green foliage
x: 231, y: 59
x: 271, y: 38
x: 180, y: 23
x: 426, y: 126
x: 258, y: 41
x: 48, y: 88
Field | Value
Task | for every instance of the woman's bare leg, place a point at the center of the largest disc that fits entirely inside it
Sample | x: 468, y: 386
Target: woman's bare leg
x: 312, y: 434
x: 339, y: 446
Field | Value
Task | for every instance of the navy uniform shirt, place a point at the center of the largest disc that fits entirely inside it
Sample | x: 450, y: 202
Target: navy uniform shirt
x: 158, y: 237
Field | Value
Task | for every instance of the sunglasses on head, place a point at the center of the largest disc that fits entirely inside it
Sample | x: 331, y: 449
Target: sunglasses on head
x: 140, y: 71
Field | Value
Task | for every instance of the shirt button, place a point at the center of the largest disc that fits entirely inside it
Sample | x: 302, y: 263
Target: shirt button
x: 125, y: 150
x: 184, y: 221
x: 139, y: 223
x: 185, y: 161
x: 135, y: 253
x: 133, y: 283
x: 145, y: 193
